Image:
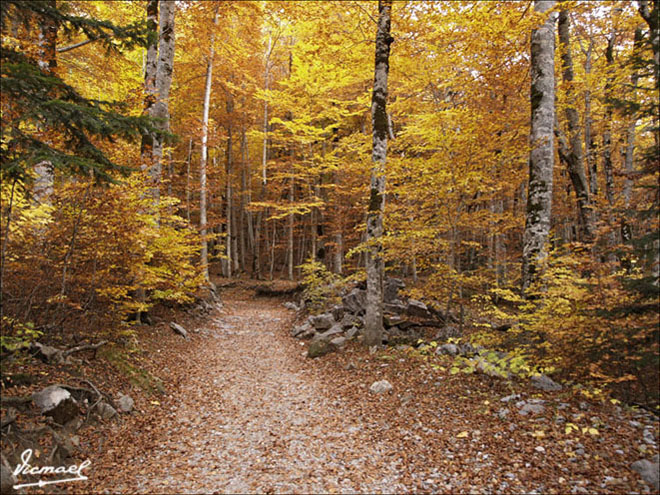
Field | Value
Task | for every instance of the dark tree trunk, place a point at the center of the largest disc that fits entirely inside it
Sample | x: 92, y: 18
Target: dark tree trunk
x: 374, y: 316
x: 571, y: 152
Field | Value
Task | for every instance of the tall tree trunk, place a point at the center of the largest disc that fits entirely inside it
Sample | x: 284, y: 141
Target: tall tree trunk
x: 44, y: 175
x: 188, y: 160
x: 162, y: 84
x: 290, y: 222
x: 626, y: 233
x: 150, y: 68
x: 228, y: 262
x: 373, y: 327
x: 589, y: 144
x: 572, y: 153
x: 541, y: 159
x: 244, y: 214
x: 607, y: 134
x: 204, y: 153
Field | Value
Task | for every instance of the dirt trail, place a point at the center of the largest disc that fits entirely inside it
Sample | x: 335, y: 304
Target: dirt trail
x: 246, y: 412
x: 252, y: 416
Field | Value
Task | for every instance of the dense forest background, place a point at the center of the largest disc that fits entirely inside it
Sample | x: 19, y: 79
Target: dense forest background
x: 144, y: 142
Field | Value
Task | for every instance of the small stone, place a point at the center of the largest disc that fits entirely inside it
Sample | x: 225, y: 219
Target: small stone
x: 449, y: 349
x: 509, y: 398
x: 417, y: 308
x: 648, y: 437
x: 380, y: 387
x: 339, y: 342
x: 319, y: 348
x: 291, y: 305
x: 322, y: 322
x: 503, y: 413
x: 545, y: 383
x: 179, y: 330
x: 125, y: 403
x: 531, y: 409
x: 649, y: 471
x: 105, y: 410
x: 351, y: 332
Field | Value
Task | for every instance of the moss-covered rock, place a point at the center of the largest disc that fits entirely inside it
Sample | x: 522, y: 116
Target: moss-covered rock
x: 320, y: 348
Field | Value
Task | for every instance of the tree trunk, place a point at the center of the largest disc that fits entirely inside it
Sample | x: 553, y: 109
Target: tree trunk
x: 190, y: 150
x: 373, y: 328
x: 204, y: 154
x: 162, y: 83
x: 626, y: 233
x: 572, y: 154
x: 44, y: 175
x: 541, y: 160
x: 290, y: 222
x: 607, y: 134
x: 228, y: 263
x: 589, y: 143
x: 150, y: 69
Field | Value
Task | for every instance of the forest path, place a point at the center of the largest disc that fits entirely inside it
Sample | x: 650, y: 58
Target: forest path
x: 253, y: 415
x: 247, y: 412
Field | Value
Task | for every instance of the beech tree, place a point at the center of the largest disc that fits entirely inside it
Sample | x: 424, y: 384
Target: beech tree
x: 373, y: 324
x: 541, y: 158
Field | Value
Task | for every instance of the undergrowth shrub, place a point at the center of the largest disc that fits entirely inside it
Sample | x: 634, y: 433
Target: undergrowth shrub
x: 584, y: 322
x: 321, y: 287
x: 79, y: 259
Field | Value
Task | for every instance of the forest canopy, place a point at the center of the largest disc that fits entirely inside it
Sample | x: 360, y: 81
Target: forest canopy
x: 504, y: 162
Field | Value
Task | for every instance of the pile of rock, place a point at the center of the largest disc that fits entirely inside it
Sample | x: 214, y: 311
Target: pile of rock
x: 331, y: 330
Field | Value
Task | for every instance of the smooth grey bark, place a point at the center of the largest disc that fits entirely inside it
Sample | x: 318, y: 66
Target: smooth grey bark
x: 163, y: 82
x: 42, y: 189
x: 188, y: 160
x: 541, y: 159
x: 204, y: 153
x: 373, y: 325
x: 150, y: 68
x: 571, y: 152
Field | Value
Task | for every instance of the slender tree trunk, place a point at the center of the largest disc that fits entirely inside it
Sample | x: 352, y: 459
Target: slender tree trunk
x: 589, y: 144
x: 243, y: 208
x: 150, y: 69
x: 541, y: 160
x: 373, y: 327
x: 189, y: 159
x: 204, y: 154
x: 607, y: 134
x: 228, y: 263
x: 290, y: 222
x: 43, y: 184
x: 572, y: 153
x: 626, y: 233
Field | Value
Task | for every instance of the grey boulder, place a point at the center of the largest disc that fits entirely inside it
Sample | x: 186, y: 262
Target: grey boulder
x: 380, y: 387
x: 322, y: 321
x: 57, y: 403
x: 545, y: 383
x: 649, y: 471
